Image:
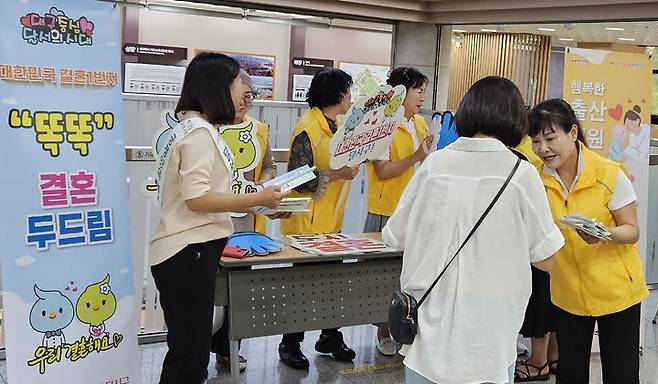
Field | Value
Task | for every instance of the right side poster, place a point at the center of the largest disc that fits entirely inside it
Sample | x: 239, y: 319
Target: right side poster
x: 611, y: 95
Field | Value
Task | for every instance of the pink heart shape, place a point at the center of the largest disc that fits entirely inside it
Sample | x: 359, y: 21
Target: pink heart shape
x: 616, y: 112
x: 86, y: 26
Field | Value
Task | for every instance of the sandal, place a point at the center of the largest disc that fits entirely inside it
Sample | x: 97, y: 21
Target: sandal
x: 224, y: 363
x: 523, y: 375
x: 552, y: 367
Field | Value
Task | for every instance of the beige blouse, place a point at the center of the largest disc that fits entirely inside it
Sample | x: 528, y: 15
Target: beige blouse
x: 194, y: 169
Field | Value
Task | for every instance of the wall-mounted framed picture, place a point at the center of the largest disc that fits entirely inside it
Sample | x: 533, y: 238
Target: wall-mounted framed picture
x: 367, y: 77
x: 260, y: 68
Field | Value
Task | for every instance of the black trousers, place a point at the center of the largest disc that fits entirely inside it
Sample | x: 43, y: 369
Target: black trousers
x: 297, y: 337
x: 186, y: 283
x: 619, y: 339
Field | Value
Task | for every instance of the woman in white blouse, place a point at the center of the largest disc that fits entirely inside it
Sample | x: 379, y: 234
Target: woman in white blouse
x: 468, y: 326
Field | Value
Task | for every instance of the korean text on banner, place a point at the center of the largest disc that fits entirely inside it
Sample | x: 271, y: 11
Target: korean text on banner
x: 610, y: 92
x: 68, y: 294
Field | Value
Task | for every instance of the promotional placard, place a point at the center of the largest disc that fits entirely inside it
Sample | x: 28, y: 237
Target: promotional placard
x: 369, y: 127
x: 69, y: 307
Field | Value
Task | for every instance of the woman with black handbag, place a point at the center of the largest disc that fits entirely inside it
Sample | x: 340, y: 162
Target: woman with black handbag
x: 471, y: 222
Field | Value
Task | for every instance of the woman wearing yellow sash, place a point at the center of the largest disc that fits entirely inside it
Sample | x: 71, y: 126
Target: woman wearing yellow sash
x: 593, y: 282
x: 194, y: 214
x: 328, y: 97
x: 390, y: 173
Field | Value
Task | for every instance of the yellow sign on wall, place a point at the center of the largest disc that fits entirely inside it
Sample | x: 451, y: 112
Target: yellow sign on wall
x: 611, y: 95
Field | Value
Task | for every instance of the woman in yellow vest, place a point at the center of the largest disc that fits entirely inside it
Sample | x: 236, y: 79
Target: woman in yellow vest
x: 264, y: 170
x: 390, y: 173
x: 328, y: 96
x: 592, y: 281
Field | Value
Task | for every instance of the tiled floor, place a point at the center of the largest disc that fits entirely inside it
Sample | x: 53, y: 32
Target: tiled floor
x: 369, y: 366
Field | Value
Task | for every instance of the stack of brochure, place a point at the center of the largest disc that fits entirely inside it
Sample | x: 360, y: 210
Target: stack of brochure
x: 287, y: 182
x: 588, y: 226
x: 288, y: 204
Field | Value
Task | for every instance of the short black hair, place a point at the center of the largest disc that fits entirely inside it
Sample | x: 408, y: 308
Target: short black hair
x: 207, y: 87
x: 551, y: 114
x: 493, y: 106
x: 407, y: 76
x: 328, y: 87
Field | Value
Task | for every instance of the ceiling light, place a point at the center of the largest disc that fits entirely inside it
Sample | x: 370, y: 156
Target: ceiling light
x: 626, y: 39
x: 488, y: 30
x: 614, y: 29
x: 458, y: 30
x: 546, y: 29
x: 565, y: 39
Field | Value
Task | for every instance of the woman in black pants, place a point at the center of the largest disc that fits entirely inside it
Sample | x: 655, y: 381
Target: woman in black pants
x: 194, y: 169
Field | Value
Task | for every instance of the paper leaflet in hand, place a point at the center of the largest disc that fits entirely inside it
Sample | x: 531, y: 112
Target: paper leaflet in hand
x: 587, y: 225
x: 369, y: 127
x: 292, y: 179
x: 288, y: 204
x: 254, y: 243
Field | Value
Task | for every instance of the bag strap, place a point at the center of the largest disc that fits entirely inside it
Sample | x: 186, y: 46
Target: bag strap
x: 475, y: 227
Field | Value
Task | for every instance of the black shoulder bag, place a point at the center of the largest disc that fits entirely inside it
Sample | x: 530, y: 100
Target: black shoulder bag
x: 403, y: 310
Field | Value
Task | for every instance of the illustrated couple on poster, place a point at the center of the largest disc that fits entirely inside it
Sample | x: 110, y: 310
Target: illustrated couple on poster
x: 630, y: 141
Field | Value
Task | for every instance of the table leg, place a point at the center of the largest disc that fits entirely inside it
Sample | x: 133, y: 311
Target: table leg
x: 235, y: 361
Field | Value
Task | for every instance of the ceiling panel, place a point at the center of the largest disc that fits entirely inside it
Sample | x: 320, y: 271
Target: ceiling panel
x: 466, y: 11
x: 642, y: 33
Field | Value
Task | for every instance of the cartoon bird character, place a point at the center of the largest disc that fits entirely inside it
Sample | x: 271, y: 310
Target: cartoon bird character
x: 50, y: 314
x: 95, y: 305
x: 241, y: 142
x: 169, y: 122
x: 393, y: 106
x: 354, y: 120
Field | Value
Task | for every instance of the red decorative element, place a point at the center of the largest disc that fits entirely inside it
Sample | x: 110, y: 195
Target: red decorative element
x: 25, y: 20
x: 616, y: 112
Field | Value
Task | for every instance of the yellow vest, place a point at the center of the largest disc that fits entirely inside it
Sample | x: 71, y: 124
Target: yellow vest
x: 598, y: 279
x: 263, y: 139
x: 383, y: 195
x: 526, y: 150
x: 326, y: 214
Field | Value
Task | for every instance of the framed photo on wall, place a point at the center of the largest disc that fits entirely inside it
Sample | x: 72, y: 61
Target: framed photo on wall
x: 260, y: 68
x: 367, y: 77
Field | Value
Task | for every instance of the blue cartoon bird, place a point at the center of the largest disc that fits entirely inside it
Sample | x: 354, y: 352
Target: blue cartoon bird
x: 50, y: 314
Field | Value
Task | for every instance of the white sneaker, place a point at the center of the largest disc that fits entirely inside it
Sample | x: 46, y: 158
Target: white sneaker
x: 386, y: 346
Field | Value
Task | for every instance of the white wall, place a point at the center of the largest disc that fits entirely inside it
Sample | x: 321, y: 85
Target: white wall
x: 213, y: 33
x: 348, y: 45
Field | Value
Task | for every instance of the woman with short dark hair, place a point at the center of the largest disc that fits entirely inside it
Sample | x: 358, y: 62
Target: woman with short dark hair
x: 328, y: 97
x: 467, y: 328
x: 195, y: 201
